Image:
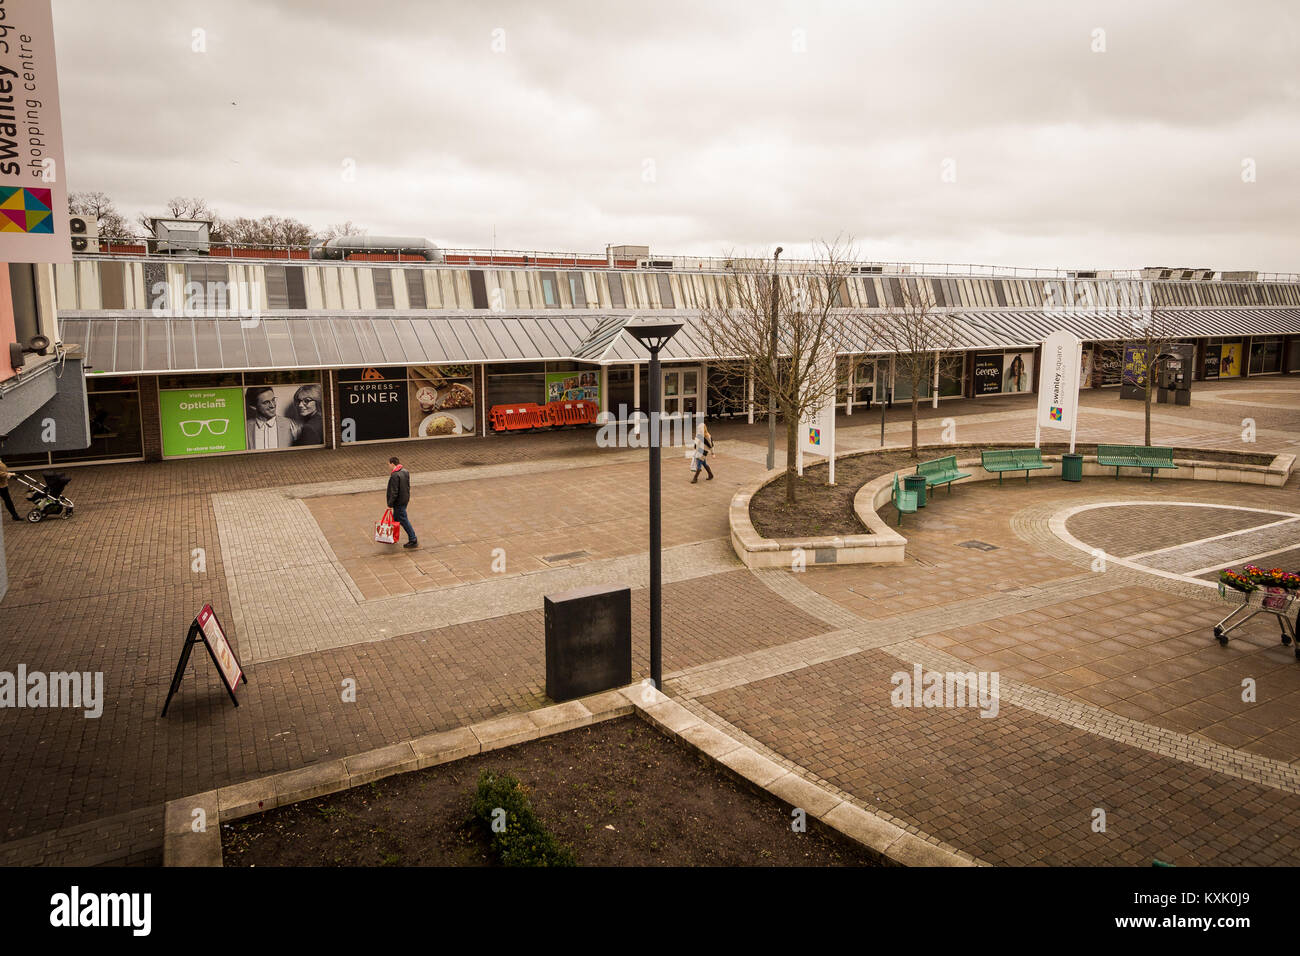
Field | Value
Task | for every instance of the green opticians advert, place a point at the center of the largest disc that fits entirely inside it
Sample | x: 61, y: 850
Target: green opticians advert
x: 201, y: 421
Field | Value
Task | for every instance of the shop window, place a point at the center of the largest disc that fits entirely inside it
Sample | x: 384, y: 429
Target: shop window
x: 114, y: 427
x: 478, y: 289
x: 383, y: 280
x: 112, y: 291
x: 665, y: 291
x: 576, y: 291
x: 415, y: 288
x: 616, y: 291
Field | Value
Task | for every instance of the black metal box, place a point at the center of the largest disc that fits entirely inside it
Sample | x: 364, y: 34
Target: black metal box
x: 588, y: 641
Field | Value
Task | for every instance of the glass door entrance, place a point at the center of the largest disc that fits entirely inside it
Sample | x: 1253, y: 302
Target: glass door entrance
x: 681, y: 391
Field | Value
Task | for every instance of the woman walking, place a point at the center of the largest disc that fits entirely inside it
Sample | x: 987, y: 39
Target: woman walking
x: 703, y: 442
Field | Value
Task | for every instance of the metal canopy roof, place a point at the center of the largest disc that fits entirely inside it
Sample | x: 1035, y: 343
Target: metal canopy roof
x: 142, y: 342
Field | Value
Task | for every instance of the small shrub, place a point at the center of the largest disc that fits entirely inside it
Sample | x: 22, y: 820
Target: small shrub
x: 525, y: 841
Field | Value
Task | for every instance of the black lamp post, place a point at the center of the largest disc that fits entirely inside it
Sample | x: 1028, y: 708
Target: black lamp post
x: 654, y: 336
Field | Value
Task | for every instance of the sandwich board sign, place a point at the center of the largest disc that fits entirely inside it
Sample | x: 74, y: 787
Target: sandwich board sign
x: 1058, y: 385
x: 206, y: 628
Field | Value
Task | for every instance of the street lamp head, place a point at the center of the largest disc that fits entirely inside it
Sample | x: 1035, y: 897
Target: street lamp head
x: 777, y: 254
x: 653, y: 335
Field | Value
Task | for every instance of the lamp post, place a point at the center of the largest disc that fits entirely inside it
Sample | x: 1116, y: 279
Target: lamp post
x: 771, y: 394
x: 654, y: 336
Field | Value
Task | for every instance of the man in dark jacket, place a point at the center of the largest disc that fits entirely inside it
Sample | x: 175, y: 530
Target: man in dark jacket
x: 399, y: 496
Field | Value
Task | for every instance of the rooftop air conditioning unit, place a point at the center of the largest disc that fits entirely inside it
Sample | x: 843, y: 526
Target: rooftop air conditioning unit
x: 866, y: 270
x: 1205, y: 274
x: 654, y: 263
x: 629, y: 252
x: 1082, y: 274
x: 182, y: 235
x: 85, y: 233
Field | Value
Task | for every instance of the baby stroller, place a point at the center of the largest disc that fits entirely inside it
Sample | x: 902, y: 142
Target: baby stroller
x: 49, y: 500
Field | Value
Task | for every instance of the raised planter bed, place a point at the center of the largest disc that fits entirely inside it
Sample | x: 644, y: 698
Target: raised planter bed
x: 875, y: 541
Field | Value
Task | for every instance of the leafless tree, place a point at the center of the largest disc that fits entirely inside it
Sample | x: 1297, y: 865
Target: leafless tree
x: 1144, y: 353
x: 342, y: 229
x: 266, y: 231
x: 922, y: 338
x: 807, y: 302
x: 112, y: 224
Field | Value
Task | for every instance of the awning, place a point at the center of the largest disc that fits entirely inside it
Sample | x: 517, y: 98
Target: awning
x: 142, y: 342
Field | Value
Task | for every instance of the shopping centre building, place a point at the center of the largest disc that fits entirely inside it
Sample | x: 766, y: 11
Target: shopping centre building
x: 213, y: 350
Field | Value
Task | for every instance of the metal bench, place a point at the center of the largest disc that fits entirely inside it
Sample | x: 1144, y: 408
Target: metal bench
x: 1150, y: 457
x: 904, y: 501
x: 1012, y: 459
x: 941, y: 471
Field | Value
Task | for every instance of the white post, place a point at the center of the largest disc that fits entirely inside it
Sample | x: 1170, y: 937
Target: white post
x: 934, y: 392
x: 749, y: 386
x: 848, y: 402
x: 604, y: 388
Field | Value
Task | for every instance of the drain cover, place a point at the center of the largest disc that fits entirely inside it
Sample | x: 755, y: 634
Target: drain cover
x: 978, y: 545
x: 567, y: 556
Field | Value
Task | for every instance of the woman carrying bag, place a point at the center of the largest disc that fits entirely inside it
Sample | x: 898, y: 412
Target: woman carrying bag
x: 703, y: 442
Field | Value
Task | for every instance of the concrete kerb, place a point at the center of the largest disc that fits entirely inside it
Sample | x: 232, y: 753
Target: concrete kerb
x: 883, y: 545
x: 193, y: 838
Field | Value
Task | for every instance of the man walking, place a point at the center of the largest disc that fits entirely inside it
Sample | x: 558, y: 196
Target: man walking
x: 399, y: 496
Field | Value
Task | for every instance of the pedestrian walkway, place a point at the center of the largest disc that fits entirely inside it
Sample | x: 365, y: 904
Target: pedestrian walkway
x: 1113, y: 695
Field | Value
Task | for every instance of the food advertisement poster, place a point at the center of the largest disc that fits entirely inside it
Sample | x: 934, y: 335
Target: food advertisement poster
x: 440, y: 400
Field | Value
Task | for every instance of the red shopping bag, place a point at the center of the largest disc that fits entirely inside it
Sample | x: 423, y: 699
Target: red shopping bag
x: 387, y: 530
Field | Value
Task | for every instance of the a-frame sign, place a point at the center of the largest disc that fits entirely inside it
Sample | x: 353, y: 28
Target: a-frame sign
x: 206, y: 628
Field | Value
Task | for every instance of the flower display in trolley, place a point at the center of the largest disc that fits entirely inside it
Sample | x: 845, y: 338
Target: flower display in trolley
x: 1237, y: 581
x: 1272, y: 578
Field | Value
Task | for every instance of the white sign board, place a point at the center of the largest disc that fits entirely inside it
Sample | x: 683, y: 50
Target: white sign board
x: 33, y: 190
x: 816, y: 435
x: 1058, y: 381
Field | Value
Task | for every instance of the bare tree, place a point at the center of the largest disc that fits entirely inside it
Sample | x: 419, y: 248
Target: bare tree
x: 806, y: 302
x: 185, y: 207
x: 112, y: 224
x: 1144, y: 355
x: 922, y: 338
x: 342, y: 229
x: 266, y: 231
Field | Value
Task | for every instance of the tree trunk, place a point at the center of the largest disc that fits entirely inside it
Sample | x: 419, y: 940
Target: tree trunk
x: 1150, y: 383
x: 791, y: 431
x: 915, y: 453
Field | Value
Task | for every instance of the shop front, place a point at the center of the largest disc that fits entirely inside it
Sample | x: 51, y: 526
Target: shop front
x: 997, y: 373
x: 406, y: 402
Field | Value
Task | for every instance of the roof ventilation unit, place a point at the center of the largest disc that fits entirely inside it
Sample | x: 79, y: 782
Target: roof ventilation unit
x: 654, y: 263
x: 181, y: 235
x: 85, y: 233
x: 340, y: 247
x: 866, y: 270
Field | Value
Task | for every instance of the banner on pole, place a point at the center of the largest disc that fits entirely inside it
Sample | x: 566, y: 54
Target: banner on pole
x: 1058, y: 381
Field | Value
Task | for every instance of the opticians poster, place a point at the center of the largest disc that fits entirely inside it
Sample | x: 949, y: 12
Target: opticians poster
x: 201, y: 421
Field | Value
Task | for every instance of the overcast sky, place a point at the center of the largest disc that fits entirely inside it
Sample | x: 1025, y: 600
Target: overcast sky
x: 942, y: 132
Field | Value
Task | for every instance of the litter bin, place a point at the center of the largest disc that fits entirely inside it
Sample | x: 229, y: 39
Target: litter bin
x: 1072, y: 468
x: 916, y: 483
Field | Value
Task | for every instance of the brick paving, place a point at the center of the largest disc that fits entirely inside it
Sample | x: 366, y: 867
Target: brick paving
x: 114, y: 589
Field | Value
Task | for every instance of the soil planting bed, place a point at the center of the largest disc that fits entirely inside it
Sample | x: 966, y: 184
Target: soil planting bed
x: 824, y: 510
x: 619, y: 792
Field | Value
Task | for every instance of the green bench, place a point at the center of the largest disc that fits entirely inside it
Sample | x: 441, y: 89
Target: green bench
x: 1012, y: 459
x: 1150, y: 457
x: 941, y: 471
x: 904, y: 501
